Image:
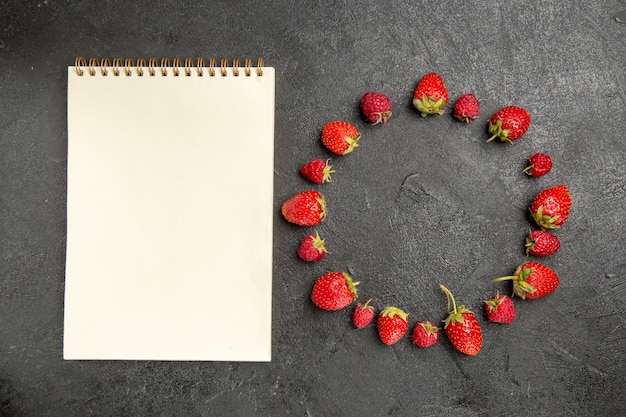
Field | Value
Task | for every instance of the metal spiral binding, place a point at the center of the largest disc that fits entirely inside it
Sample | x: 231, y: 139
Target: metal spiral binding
x: 164, y: 67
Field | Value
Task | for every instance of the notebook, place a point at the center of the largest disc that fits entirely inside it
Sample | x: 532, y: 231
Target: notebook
x: 169, y: 210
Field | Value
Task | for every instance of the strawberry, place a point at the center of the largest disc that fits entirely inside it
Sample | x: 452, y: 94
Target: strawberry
x: 307, y: 208
x: 509, y: 124
x: 363, y: 314
x: 466, y: 108
x: 312, y: 248
x: 392, y: 325
x: 431, y: 95
x: 532, y: 280
x: 540, y: 165
x: 317, y: 171
x: 340, y: 137
x: 425, y: 334
x: 500, y: 309
x: 550, y: 208
x: 462, y: 327
x: 334, y: 291
x: 541, y: 243
x: 376, y: 107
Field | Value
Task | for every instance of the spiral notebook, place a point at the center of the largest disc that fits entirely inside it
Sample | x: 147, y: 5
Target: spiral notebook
x: 169, y: 210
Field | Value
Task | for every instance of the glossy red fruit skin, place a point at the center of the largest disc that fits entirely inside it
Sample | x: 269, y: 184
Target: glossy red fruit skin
x: 466, y: 336
x: 425, y: 334
x: 312, y: 248
x: 550, y: 208
x: 376, y: 107
x: 307, y: 208
x: 363, y: 314
x: 542, y: 243
x: 334, y: 291
x: 462, y: 327
x: 392, y: 325
x: 430, y: 95
x: 340, y: 137
x: 500, y: 309
x: 509, y: 124
x: 540, y: 165
x: 466, y: 108
x: 532, y: 280
x: 317, y: 171
x: 542, y: 278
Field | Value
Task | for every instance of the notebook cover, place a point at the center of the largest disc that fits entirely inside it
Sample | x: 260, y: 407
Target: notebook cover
x: 170, y: 207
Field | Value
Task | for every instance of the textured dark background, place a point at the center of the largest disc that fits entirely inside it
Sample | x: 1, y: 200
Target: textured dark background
x: 421, y: 202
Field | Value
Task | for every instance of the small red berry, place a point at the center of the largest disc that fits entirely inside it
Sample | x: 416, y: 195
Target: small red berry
x: 466, y: 108
x: 363, y: 314
x: 376, y: 107
x: 317, y: 171
x: 509, y: 123
x: 312, y: 248
x: 540, y: 165
x: 532, y: 280
x: 550, y: 208
x: 500, y: 309
x: 425, y: 334
x: 462, y: 327
x: 307, y: 208
x: 334, y: 291
x: 542, y: 243
x: 340, y: 137
x: 392, y: 325
x: 430, y: 95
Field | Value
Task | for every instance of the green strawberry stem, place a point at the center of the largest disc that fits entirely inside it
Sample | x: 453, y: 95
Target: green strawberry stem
x: 392, y: 311
x: 319, y: 243
x: 495, y: 301
x: 498, y: 132
x: 351, y: 284
x: 508, y: 277
x: 449, y: 297
x: 454, y: 316
x: 520, y: 286
x: 352, y: 142
x: 545, y: 222
x: 322, y: 202
x: 328, y: 169
x: 429, y: 105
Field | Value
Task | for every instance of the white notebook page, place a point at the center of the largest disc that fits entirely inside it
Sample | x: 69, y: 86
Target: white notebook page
x: 169, y: 227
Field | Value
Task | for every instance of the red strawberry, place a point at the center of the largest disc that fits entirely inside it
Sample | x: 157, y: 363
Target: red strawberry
x: 532, y: 280
x: 431, y: 95
x: 425, y: 334
x: 540, y: 165
x: 312, y: 248
x: 392, y: 325
x: 462, y: 327
x: 376, y: 107
x: 307, y: 208
x: 466, y: 108
x: 550, y: 208
x: 509, y: 124
x: 363, y: 314
x: 541, y: 243
x: 317, y: 171
x: 334, y: 291
x: 340, y: 137
x: 500, y: 309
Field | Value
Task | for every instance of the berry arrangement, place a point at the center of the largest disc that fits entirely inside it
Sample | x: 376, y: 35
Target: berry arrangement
x: 337, y: 290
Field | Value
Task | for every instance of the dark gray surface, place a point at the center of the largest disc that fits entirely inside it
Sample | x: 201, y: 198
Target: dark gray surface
x: 421, y: 202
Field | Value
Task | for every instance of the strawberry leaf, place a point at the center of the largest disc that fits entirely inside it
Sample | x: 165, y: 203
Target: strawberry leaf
x: 521, y: 288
